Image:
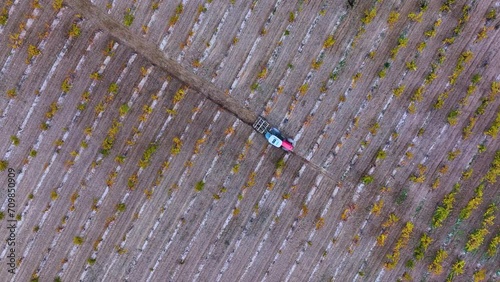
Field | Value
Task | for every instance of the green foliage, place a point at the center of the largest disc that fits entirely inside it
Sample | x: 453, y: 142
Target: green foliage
x: 124, y: 108
x: 452, y: 155
x: 443, y: 211
x: 15, y: 140
x: 369, y: 15
x: 402, y: 241
x: 54, y: 195
x: 464, y: 58
x: 4, y: 164
x: 418, y: 96
x: 66, y: 85
x: 374, y: 128
x: 280, y: 163
x: 57, y: 4
x: 176, y: 147
x: 53, y: 108
x: 113, y: 88
x: 381, y: 154
x: 77, y: 240
x: 491, y: 14
x: 403, y: 194
x: 109, y: 140
x: 494, y: 171
x: 33, y: 51
x: 473, y: 203
x: 199, y: 186
x: 146, y: 156
x: 453, y: 116
x: 329, y: 41
x: 4, y: 16
x: 493, y: 246
x: 291, y: 17
x: 393, y: 18
x: 415, y: 17
x: 494, y: 128
x: 121, y: 207
x: 367, y: 179
x: 435, y: 267
x: 399, y: 90
x: 74, y: 31
x: 456, y: 269
x: 128, y: 18
x: 179, y: 95
x: 411, y: 65
x: 303, y: 88
x: 467, y: 130
x: 476, y: 238
x: 11, y: 93
x: 424, y: 243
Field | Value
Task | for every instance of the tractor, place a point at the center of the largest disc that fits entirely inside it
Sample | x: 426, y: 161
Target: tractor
x: 273, y: 135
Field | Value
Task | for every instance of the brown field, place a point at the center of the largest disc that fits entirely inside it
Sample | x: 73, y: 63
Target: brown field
x: 126, y: 127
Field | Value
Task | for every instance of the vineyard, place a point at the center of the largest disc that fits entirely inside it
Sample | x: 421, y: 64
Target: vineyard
x: 131, y: 162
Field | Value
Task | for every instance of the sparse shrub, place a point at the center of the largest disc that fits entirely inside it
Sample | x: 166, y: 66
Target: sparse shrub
x: 381, y: 239
x: 393, y: 18
x: 456, y: 269
x: 443, y: 211
x: 57, y: 4
x: 402, y: 241
x: 374, y: 128
x: 33, y: 51
x: 494, y: 128
x: 66, y: 85
x: 4, y: 164
x: 329, y: 41
x: 367, y: 179
x: 377, y: 207
x: 199, y: 186
x: 399, y: 90
x: 418, y: 96
x: 262, y: 74
x: 411, y: 65
x: 177, y: 146
x: 493, y: 246
x: 424, y: 243
x: 435, y: 267
x: 415, y: 17
x: 479, y: 275
x: 421, y: 46
x: 390, y: 221
x: 77, y: 240
x: 15, y: 140
x: 369, y: 15
x: 146, y: 156
x: 303, y: 88
x: 74, y: 31
x: 128, y: 17
x: 381, y: 154
x: 494, y: 171
x: 54, y: 195
x: 320, y: 222
x: 121, y: 207
x: 452, y: 155
x: 291, y: 17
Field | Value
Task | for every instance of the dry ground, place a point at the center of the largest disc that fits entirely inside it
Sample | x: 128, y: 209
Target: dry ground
x: 258, y: 213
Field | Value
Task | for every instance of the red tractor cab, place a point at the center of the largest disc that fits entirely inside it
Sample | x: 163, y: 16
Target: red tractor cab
x: 275, y: 138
